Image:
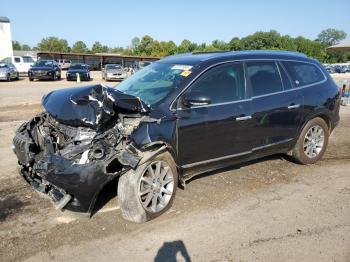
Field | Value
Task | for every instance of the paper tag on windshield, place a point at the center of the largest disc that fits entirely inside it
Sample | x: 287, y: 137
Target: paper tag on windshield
x: 182, y: 67
x: 185, y: 73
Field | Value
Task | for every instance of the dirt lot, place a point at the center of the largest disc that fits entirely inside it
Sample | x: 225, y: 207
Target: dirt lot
x: 267, y: 210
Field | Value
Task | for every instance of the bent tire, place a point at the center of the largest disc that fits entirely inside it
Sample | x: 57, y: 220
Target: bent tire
x: 148, y: 191
x: 312, y: 142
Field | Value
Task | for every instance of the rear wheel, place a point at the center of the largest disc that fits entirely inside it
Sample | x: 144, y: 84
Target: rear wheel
x: 312, y: 142
x: 148, y: 191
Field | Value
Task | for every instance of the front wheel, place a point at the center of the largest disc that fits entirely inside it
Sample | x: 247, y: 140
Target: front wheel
x: 312, y: 142
x: 148, y: 191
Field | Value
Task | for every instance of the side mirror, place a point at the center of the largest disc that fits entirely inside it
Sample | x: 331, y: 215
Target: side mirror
x: 196, y: 99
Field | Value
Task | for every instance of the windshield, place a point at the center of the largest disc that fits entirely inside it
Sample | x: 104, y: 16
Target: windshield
x: 77, y: 67
x: 3, y: 66
x: 28, y: 59
x: 154, y: 82
x: 44, y: 63
x: 113, y: 67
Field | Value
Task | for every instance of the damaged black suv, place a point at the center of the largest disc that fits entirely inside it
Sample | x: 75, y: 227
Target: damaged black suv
x: 178, y: 117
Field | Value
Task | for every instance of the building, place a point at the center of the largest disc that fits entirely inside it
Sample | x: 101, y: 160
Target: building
x: 96, y: 61
x: 5, y: 38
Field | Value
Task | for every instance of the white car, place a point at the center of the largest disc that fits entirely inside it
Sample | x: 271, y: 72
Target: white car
x: 22, y: 63
x: 64, y: 63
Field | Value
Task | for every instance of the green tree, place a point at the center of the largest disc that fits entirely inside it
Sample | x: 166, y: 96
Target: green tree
x: 146, y: 45
x: 97, y: 47
x: 16, y: 45
x: 26, y: 47
x: 235, y: 44
x: 53, y: 44
x: 331, y: 36
x: 135, y: 42
x: 79, y: 47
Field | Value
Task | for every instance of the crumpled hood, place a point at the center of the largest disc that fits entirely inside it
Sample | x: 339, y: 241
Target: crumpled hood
x: 4, y: 70
x: 90, y: 106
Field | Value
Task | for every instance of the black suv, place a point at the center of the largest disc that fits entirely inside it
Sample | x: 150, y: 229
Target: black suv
x: 45, y: 69
x: 176, y: 118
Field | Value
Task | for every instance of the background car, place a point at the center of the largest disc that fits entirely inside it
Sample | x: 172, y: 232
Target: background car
x: 113, y: 72
x: 22, y: 63
x: 82, y: 70
x: 45, y: 69
x: 64, y: 63
x: 8, y: 72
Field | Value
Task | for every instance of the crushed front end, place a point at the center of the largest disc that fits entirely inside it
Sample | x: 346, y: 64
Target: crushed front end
x: 79, y: 144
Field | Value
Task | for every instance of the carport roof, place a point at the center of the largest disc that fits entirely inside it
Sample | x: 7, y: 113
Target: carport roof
x: 344, y: 46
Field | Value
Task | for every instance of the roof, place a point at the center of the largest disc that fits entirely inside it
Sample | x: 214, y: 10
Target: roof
x: 199, y: 57
x: 4, y: 19
x: 344, y: 46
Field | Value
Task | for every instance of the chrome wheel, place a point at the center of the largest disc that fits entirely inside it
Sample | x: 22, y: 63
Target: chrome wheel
x: 156, y: 186
x: 313, y: 141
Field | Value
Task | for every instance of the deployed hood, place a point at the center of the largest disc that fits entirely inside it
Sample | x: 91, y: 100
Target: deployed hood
x: 90, y: 106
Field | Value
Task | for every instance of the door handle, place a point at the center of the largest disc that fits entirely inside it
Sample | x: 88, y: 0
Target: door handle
x: 242, y: 118
x: 293, y: 106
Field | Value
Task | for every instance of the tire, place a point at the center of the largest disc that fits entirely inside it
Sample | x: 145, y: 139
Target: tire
x: 301, y: 152
x: 8, y: 78
x: 31, y: 79
x: 17, y: 76
x: 130, y: 185
x: 59, y: 77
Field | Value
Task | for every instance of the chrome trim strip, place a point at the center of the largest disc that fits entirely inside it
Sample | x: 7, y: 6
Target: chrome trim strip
x: 216, y: 159
x: 236, y: 155
x: 272, y: 144
x: 247, y: 99
x: 242, y: 118
x: 293, y: 106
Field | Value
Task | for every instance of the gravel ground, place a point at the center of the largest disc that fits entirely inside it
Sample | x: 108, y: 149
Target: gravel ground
x: 266, y: 210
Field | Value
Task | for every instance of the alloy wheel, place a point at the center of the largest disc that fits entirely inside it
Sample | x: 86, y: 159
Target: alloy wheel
x: 156, y: 186
x: 313, y: 141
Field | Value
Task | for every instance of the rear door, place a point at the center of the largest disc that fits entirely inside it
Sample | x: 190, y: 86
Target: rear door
x: 276, y: 105
x: 221, y: 129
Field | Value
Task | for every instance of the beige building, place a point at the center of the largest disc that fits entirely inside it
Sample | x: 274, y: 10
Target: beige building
x: 5, y: 38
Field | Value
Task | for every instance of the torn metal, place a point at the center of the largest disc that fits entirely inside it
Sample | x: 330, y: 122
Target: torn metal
x: 86, y: 137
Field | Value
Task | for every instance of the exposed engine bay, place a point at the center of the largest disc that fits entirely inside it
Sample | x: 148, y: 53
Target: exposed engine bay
x: 81, y: 142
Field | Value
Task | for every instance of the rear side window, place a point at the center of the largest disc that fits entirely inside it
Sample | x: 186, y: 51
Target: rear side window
x: 264, y: 78
x: 17, y: 60
x: 303, y: 73
x: 222, y: 84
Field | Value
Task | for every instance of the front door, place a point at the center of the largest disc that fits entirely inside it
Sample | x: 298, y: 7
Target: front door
x: 220, y: 129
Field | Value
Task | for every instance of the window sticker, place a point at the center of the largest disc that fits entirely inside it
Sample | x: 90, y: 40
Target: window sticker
x: 182, y: 67
x: 186, y: 73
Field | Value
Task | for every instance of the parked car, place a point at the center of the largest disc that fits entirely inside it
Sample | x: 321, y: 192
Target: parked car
x: 64, y: 64
x: 22, y: 63
x: 8, y: 72
x: 177, y: 118
x: 78, y: 69
x: 113, y: 72
x: 45, y: 69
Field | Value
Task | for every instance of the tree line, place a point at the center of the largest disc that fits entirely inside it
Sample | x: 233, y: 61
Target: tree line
x: 147, y: 46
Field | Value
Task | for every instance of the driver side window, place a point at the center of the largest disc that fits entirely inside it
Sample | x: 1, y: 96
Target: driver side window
x: 223, y: 83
